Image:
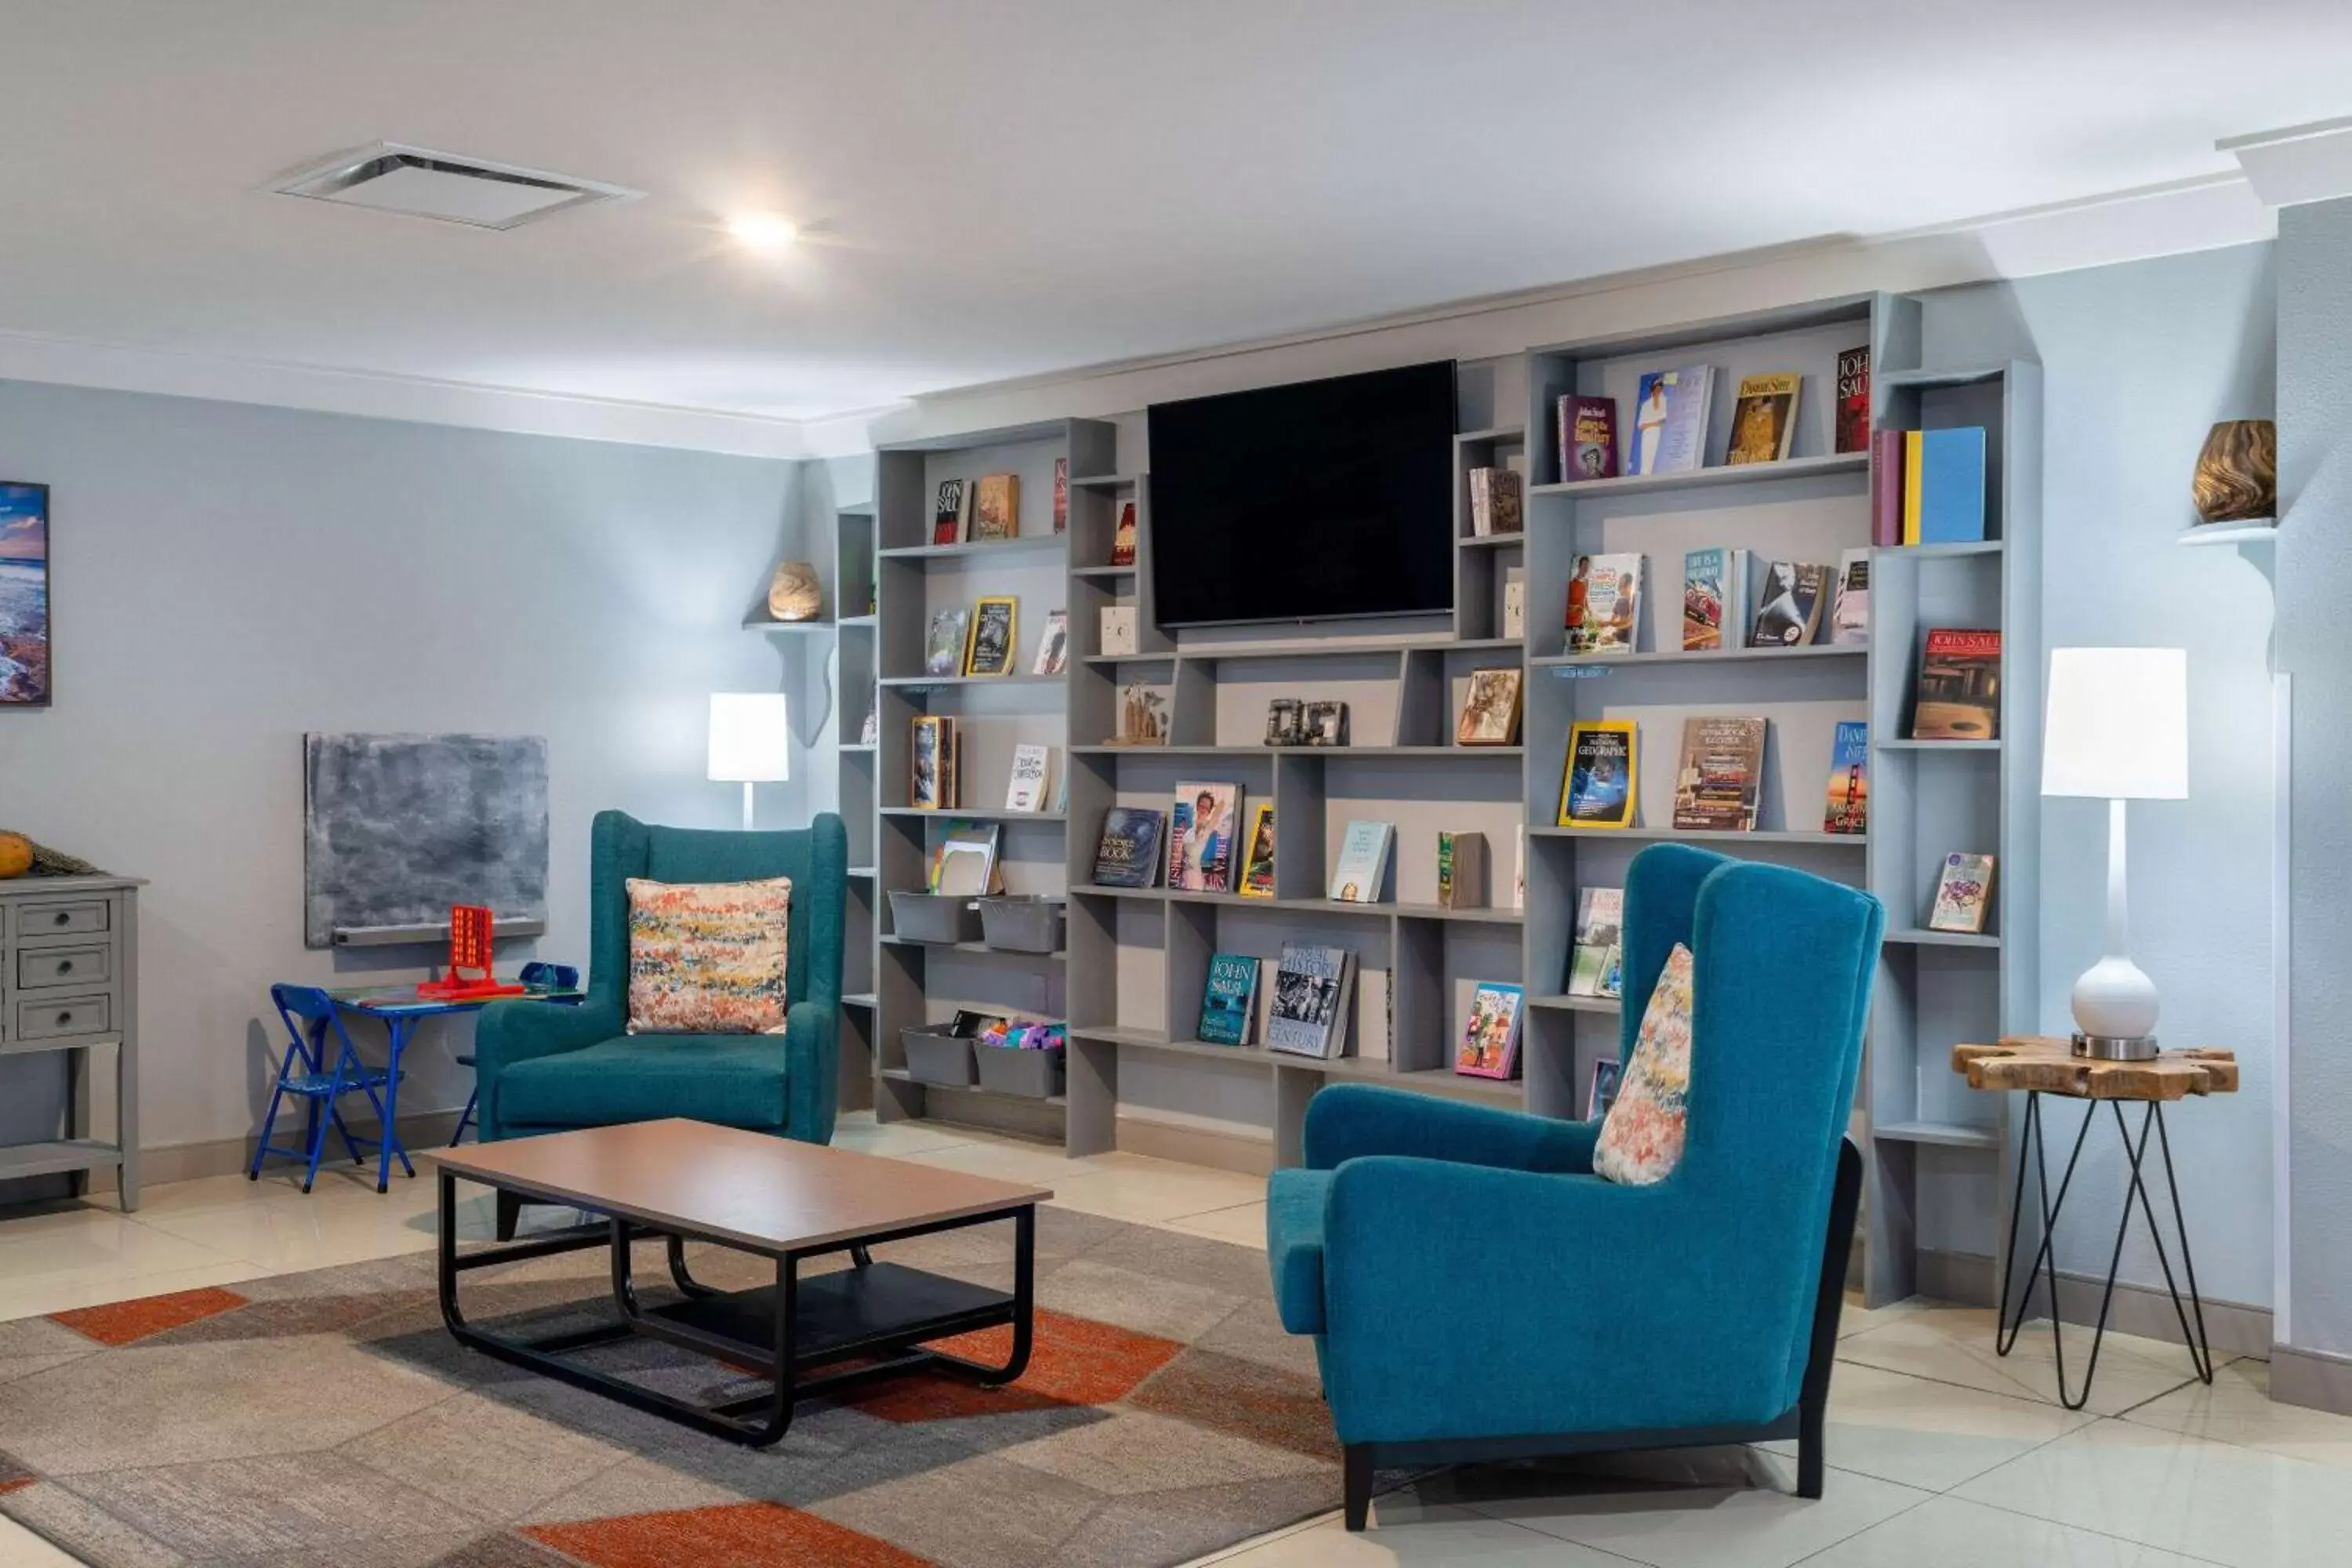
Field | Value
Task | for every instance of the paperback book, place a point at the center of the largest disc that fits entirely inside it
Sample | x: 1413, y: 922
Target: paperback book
x: 949, y: 512
x: 1490, y: 709
x: 1790, y: 612
x: 943, y: 650
x: 1461, y: 870
x: 1127, y: 855
x: 1963, y: 894
x: 1714, y: 599
x: 1849, y: 802
x: 995, y: 632
x: 1588, y: 438
x: 1764, y: 419
x: 996, y: 511
x: 1122, y: 542
x: 1850, y: 613
x: 1593, y: 963
x: 1596, y: 790
x: 1607, y: 1073
x: 1854, y: 400
x: 1031, y: 764
x: 1604, y: 604
x: 1257, y: 859
x: 1944, y: 486
x: 1054, y: 645
x: 1490, y: 1041
x: 1669, y: 420
x: 1311, y: 992
x: 1229, y: 1000
x: 1494, y: 501
x: 1357, y: 873
x: 1201, y: 833
x: 965, y: 866
x: 1886, y: 487
x: 1719, y: 775
x: 1061, y: 495
x: 1959, y: 687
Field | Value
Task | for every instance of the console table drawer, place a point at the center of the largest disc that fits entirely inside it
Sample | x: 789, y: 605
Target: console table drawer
x: 58, y: 918
x: 40, y: 1019
x: 38, y: 968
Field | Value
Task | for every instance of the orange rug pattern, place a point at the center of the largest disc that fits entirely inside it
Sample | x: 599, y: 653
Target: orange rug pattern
x: 733, y: 1535
x: 121, y: 1323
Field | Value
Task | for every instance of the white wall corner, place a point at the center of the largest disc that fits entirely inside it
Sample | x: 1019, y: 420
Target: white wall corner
x: 2301, y: 164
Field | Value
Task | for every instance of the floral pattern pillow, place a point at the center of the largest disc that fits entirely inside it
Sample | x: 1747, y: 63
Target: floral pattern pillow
x: 1641, y: 1141
x: 709, y: 958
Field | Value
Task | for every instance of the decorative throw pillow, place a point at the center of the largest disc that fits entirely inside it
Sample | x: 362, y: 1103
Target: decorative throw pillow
x: 708, y: 959
x: 1641, y: 1141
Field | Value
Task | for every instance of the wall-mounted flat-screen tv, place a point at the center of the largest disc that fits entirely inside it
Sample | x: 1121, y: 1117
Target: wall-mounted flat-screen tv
x: 1308, y: 501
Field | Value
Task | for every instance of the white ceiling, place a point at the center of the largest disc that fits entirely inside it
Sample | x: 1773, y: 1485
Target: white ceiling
x: 1005, y: 187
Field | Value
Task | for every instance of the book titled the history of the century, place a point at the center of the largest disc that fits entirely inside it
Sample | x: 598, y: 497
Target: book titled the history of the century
x: 1312, y: 989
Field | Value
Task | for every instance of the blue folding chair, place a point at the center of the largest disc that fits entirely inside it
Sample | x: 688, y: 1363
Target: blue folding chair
x: 538, y: 975
x: 310, y: 1015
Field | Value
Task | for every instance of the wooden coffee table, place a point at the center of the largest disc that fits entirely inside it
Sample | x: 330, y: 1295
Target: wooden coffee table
x: 688, y: 1180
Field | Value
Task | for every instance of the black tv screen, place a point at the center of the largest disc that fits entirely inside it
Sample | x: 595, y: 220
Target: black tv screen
x: 1304, y: 502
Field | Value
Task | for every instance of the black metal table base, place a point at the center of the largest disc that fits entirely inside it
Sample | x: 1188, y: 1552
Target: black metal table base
x: 878, y: 1315
x: 2017, y: 1288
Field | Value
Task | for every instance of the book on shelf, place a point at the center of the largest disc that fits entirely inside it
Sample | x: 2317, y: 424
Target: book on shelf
x: 1490, y: 709
x: 1607, y: 1073
x: 932, y: 784
x: 1720, y: 773
x: 949, y: 510
x: 1142, y: 716
x: 1848, y: 810
x: 1061, y: 495
x: 1853, y: 399
x: 1122, y: 539
x: 1944, y: 486
x: 869, y: 733
x: 1117, y: 629
x: 1518, y: 865
x: 1669, y: 420
x: 1604, y: 605
x: 1375, y: 1015
x: 1596, y: 788
x: 1052, y: 645
x: 1789, y: 608
x: 1312, y: 986
x: 1494, y: 501
x: 1357, y: 873
x: 996, y: 506
x: 1963, y: 894
x: 1958, y: 694
x: 1490, y: 1040
x: 1127, y: 854
x: 995, y: 634
x: 1594, y: 962
x: 1764, y: 419
x: 1229, y: 1000
x: 1031, y: 765
x: 1714, y: 599
x: 1514, y: 602
x: 1201, y: 833
x: 966, y: 864
x: 1850, y: 610
x: 1886, y: 472
x: 943, y: 648
x: 1257, y: 857
x: 1588, y: 438
x: 1461, y: 870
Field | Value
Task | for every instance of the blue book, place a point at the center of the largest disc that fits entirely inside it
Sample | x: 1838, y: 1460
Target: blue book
x: 1952, y: 486
x: 1848, y: 810
x: 1669, y: 420
x: 1229, y: 1000
x: 1129, y: 853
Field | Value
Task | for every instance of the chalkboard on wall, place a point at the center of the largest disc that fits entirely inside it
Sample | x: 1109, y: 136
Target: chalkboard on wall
x: 397, y: 828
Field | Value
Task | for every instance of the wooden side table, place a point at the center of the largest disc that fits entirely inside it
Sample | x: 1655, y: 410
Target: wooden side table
x: 2040, y: 1065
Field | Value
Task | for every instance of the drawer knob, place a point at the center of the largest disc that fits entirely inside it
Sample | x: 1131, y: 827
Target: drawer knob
x: 65, y: 1017
x: 60, y: 918
x: 65, y: 966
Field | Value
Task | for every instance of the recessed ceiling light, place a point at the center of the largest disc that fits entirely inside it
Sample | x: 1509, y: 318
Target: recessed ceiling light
x: 762, y: 231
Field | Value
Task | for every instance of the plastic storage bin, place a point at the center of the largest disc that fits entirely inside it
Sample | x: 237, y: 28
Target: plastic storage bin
x: 1009, y: 1069
x: 934, y: 1056
x: 934, y: 917
x: 1021, y: 925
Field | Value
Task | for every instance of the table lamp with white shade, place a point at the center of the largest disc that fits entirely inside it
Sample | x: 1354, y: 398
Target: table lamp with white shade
x: 2116, y: 727
x: 750, y: 742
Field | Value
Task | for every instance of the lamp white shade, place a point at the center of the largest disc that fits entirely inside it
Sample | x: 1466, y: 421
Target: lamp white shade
x: 2116, y: 723
x: 750, y: 742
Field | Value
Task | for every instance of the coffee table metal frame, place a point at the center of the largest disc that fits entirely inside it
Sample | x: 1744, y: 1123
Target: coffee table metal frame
x: 881, y: 1315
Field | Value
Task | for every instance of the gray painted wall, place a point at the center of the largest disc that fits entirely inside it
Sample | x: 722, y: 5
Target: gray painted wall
x: 230, y: 577
x: 2314, y: 549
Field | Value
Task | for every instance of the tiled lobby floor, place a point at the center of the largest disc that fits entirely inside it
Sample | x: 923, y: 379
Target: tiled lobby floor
x: 1943, y: 1455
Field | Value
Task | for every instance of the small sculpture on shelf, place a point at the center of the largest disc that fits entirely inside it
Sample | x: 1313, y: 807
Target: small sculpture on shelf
x: 2237, y: 473
x: 793, y: 594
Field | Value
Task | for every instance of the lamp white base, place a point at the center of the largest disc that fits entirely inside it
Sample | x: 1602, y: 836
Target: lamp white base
x: 2115, y: 999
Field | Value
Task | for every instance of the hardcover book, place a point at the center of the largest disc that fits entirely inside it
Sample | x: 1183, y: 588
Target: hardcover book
x: 1061, y: 495
x: 1963, y: 894
x: 1669, y: 420
x: 943, y: 650
x: 1848, y: 804
x: 1720, y: 772
x: 1592, y: 962
x: 932, y: 784
x: 1461, y: 870
x: 1201, y: 833
x: 1950, y: 493
x: 965, y: 866
x: 1312, y: 989
x: 1850, y: 613
x: 1764, y: 420
x: 1494, y: 501
x: 996, y: 512
x: 1604, y: 605
x: 996, y: 631
x: 949, y: 512
x: 1257, y: 860
x: 1596, y: 790
x: 1363, y: 863
x: 1588, y: 438
x: 1490, y: 1041
x: 1714, y: 599
x: 1027, y: 790
x: 1854, y: 400
x: 1054, y: 645
x: 1229, y: 1000
x: 1886, y: 487
x: 1959, y: 687
x: 1790, y: 610
x: 1127, y: 855
x: 1122, y: 542
x: 1490, y: 709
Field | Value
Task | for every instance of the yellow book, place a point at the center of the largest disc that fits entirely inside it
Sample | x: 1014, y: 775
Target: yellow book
x: 1597, y: 788
x: 1911, y: 450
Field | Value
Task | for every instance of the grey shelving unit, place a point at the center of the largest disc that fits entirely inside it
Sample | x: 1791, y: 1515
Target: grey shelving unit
x: 69, y: 985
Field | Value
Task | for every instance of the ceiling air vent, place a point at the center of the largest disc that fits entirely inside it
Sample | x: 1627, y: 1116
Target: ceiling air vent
x: 424, y: 183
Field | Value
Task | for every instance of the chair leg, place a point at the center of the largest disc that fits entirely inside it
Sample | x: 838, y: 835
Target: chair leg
x: 510, y: 1214
x: 1356, y: 1484
x: 466, y: 1118
x: 1812, y: 1461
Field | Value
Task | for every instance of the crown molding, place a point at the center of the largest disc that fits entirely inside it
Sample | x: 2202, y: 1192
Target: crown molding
x: 2309, y: 162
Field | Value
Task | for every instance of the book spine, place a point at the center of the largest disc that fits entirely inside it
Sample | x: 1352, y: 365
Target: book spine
x: 1886, y: 487
x: 1913, y: 451
x: 1564, y: 415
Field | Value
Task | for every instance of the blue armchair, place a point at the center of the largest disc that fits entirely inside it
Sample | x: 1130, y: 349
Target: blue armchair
x: 1477, y: 1293
x: 543, y: 1069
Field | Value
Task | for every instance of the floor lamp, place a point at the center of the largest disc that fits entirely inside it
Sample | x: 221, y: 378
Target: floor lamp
x: 750, y: 742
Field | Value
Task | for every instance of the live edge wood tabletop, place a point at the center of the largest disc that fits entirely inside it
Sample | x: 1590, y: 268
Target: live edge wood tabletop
x: 2047, y: 1063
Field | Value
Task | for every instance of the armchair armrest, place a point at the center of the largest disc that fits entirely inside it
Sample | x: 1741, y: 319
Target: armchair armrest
x: 1350, y: 1120
x: 507, y: 1033
x: 812, y: 1080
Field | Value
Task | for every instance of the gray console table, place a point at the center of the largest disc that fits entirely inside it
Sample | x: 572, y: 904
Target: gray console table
x: 69, y: 982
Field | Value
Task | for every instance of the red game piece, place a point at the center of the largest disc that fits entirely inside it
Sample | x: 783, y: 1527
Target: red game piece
x: 470, y: 930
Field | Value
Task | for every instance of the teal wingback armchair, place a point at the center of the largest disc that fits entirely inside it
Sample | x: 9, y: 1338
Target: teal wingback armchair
x: 1477, y: 1293
x: 542, y: 1069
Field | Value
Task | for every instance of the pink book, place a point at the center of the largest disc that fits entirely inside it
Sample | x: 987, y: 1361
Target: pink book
x: 1886, y: 487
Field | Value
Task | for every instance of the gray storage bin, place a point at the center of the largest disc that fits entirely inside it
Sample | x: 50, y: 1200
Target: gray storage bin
x: 1009, y: 1069
x: 934, y: 917
x: 1031, y: 924
x: 934, y: 1056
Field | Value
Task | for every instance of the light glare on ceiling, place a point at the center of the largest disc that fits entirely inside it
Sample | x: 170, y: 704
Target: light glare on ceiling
x: 762, y: 231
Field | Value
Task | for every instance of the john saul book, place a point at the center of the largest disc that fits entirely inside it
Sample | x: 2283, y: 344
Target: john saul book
x: 1461, y: 870
x: 1853, y: 401
x: 1202, y: 831
x: 1127, y: 855
x: 1363, y: 863
x: 1061, y: 495
x: 1789, y: 610
x: 1963, y: 893
x: 1719, y: 774
x: 1593, y: 963
x: 1597, y: 789
x: 1670, y: 421
x: 1850, y: 611
x: 1848, y: 804
x: 996, y: 513
x: 1764, y: 419
x: 1604, y: 605
x: 943, y: 650
x: 995, y: 632
x: 1257, y: 859
x: 1490, y: 1041
x: 948, y: 513
x: 1122, y: 542
x: 1229, y: 1000
x: 1311, y: 990
x: 1588, y: 438
x: 1714, y: 599
x: 1494, y: 501
x: 1959, y: 687
x: 1490, y: 709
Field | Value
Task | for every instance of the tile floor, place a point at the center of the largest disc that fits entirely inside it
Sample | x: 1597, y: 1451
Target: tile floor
x: 1943, y: 1455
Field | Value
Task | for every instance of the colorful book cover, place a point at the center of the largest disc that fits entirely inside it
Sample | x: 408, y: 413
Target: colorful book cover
x: 1588, y: 438
x: 1054, y: 645
x: 996, y: 512
x: 1061, y: 495
x: 1959, y: 687
x: 929, y: 787
x: 1201, y: 833
x: 1258, y: 862
x: 1854, y: 400
x: 943, y: 650
x: 1720, y: 773
x: 1788, y: 612
x: 948, y: 514
x: 1027, y: 792
x: 1596, y: 790
x: 1886, y: 487
x: 1764, y: 419
x: 1461, y: 870
x: 1604, y: 605
x: 1670, y: 421
x: 1311, y: 986
x: 1494, y: 501
x: 1849, y: 802
x: 1850, y: 614
x: 1911, y: 482
x: 1490, y: 709
x: 995, y: 630
x: 1361, y: 866
x: 1127, y: 855
x: 1229, y: 1000
x: 1963, y: 894
x: 965, y: 866
x: 1122, y: 542
x: 1714, y: 599
x: 1600, y: 928
x: 1490, y: 1041
x: 1952, y: 486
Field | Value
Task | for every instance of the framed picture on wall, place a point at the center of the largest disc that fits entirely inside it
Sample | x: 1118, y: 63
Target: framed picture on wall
x: 24, y: 595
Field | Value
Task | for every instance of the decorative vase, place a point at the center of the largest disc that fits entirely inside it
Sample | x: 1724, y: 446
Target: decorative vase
x: 794, y: 595
x: 16, y: 855
x: 2237, y: 473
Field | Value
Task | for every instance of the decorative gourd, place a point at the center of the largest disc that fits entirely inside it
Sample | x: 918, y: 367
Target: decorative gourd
x: 16, y: 855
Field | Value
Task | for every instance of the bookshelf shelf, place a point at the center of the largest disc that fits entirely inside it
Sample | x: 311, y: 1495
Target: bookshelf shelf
x: 1758, y: 655
x: 1716, y: 478
x: 866, y: 999
x: 989, y: 548
x: 1958, y: 375
x: 1104, y: 483
x: 901, y: 1075
x: 918, y: 683
x: 1919, y: 936
x: 764, y: 624
x: 1709, y: 836
x: 1563, y: 1002
x: 1512, y: 541
x: 2265, y: 532
x: 1935, y: 745
x: 976, y: 947
x: 1946, y: 1135
x: 1895, y: 554
x: 1102, y: 571
x: 1493, y: 435
x: 975, y: 813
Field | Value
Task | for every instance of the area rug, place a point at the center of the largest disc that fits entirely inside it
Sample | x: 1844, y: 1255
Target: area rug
x: 329, y: 1417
